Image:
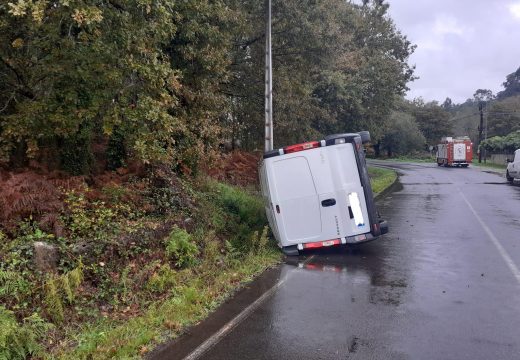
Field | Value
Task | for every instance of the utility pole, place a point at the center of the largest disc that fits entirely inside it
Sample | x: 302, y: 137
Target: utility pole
x: 480, y: 128
x: 268, y: 82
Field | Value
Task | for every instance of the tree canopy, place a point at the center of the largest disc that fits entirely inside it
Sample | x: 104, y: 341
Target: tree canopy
x: 167, y: 81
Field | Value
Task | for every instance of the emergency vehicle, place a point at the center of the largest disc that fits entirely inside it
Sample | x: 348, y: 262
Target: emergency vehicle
x: 455, y: 151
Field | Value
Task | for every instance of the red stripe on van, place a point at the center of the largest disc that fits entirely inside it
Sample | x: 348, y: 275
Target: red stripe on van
x: 319, y: 244
x: 301, y: 147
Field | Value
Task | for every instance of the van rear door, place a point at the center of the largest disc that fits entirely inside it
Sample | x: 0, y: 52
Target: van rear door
x: 297, y: 200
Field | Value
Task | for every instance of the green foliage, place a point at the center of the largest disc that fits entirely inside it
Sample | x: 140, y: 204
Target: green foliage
x: 511, y: 85
x: 61, y: 289
x: 75, y: 154
x: 116, y: 150
x: 433, y: 121
x: 508, y: 143
x: 90, y: 220
x: 165, y: 81
x: 14, y: 284
x: 503, y: 117
x: 402, y: 135
x: 238, y: 215
x: 181, y: 249
x: 260, y: 241
x: 52, y: 300
x: 380, y: 178
x: 147, y: 69
x: 163, y: 279
x: 19, y: 341
x: 335, y: 70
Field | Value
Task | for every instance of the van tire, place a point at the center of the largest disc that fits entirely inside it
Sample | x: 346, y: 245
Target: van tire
x: 290, y: 250
x: 337, y: 136
x: 509, y: 178
x: 365, y: 136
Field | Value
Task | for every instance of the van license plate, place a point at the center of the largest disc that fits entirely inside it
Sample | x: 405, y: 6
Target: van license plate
x: 328, y: 243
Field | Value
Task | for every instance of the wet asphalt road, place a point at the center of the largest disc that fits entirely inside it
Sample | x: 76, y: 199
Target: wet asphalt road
x: 443, y: 284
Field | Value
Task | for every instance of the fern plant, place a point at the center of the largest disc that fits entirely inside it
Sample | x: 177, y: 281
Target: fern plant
x: 179, y: 246
x: 61, y: 289
x: 18, y: 341
x: 12, y: 284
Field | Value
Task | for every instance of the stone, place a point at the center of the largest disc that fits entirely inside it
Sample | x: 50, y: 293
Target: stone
x: 46, y: 256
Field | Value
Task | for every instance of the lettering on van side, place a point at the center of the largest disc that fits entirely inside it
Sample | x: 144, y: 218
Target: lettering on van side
x: 337, y: 224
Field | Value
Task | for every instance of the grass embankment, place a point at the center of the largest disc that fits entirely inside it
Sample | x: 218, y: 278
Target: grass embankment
x: 381, y: 178
x: 133, y: 270
x: 489, y: 165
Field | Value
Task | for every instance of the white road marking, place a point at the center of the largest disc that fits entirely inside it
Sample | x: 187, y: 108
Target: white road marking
x: 226, y: 329
x: 510, y: 263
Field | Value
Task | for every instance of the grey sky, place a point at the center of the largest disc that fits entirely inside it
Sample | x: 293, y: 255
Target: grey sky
x: 462, y: 45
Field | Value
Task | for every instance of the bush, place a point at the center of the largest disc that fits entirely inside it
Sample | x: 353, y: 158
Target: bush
x: 75, y: 152
x: 18, y: 341
x: 181, y: 249
x: 239, y: 215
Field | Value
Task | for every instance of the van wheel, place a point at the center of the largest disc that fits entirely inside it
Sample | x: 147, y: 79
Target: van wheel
x: 509, y: 178
x: 291, y: 250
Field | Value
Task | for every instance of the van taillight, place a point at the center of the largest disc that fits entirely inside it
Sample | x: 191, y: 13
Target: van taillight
x: 301, y: 147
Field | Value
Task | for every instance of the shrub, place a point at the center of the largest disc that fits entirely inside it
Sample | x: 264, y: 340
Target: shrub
x: 181, y: 249
x: 18, y: 341
x: 239, y: 216
x: 161, y: 280
x: 61, y: 289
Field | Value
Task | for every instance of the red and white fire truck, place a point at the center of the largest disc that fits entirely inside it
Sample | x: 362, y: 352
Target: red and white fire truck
x: 456, y: 151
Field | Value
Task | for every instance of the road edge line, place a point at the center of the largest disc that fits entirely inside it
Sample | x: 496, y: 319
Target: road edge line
x: 244, y: 314
x: 505, y: 256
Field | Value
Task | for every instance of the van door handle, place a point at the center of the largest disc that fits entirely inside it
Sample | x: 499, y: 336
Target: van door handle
x: 328, y: 202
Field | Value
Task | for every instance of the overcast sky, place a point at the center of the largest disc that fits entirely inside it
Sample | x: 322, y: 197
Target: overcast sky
x: 462, y: 45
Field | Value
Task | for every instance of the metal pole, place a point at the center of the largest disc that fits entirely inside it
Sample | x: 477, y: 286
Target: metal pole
x: 480, y: 128
x: 268, y: 82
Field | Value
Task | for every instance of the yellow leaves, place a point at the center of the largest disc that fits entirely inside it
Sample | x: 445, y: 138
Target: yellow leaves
x: 23, y: 7
x: 38, y: 9
x: 17, y: 43
x: 87, y: 16
x: 19, y: 8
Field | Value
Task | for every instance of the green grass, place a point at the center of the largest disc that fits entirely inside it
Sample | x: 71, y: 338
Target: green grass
x: 489, y: 165
x: 381, y: 178
x: 203, y: 290
x: 232, y: 247
x: 410, y: 159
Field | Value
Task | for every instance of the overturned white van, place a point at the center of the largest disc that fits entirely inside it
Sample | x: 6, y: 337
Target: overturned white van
x: 318, y: 194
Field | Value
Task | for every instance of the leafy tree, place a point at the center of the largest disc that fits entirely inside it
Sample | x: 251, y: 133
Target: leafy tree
x: 483, y: 95
x: 508, y: 143
x: 139, y: 66
x: 433, y: 121
x: 165, y: 81
x: 403, y: 135
x: 334, y: 71
x: 447, y: 104
x: 511, y: 85
x: 504, y: 116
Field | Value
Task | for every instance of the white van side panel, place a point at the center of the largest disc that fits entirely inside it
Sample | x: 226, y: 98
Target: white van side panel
x: 297, y: 199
